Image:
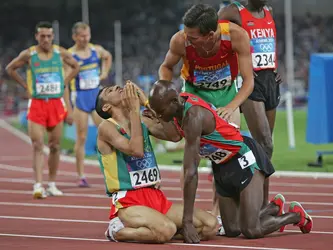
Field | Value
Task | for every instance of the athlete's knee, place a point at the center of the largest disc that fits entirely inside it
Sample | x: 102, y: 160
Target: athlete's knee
x: 232, y: 233
x: 266, y: 142
x: 165, y: 232
x: 252, y: 233
x: 54, y: 146
x: 38, y: 145
x: 232, y: 230
x: 81, y: 138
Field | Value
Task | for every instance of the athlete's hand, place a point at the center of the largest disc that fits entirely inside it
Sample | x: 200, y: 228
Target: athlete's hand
x: 69, y: 118
x: 278, y: 78
x: 142, y: 97
x: 149, y: 113
x: 225, y: 113
x: 130, y: 98
x: 103, y: 76
x: 190, y: 234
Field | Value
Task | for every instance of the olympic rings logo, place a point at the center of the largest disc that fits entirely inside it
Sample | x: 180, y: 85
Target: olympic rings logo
x: 144, y: 163
x: 266, y: 47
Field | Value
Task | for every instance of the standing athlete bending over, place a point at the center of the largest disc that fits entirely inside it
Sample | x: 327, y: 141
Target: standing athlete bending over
x: 139, y: 211
x: 213, y: 53
x: 240, y: 167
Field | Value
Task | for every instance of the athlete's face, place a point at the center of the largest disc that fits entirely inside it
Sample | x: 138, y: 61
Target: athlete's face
x: 45, y: 37
x: 199, y: 40
x: 82, y: 36
x: 112, y: 96
x: 167, y: 107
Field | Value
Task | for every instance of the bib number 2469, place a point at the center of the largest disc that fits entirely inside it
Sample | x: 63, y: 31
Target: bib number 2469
x: 145, y: 177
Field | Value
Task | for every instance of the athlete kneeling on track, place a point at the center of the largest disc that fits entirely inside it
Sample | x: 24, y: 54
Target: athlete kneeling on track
x: 140, y: 212
x: 240, y: 167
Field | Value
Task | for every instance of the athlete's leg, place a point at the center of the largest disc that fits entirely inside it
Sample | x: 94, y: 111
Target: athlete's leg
x: 146, y: 225
x: 204, y: 222
x: 257, y: 122
x: 252, y: 225
x: 36, y: 133
x: 229, y: 209
x: 54, y: 137
x: 271, y: 115
x: 81, y: 125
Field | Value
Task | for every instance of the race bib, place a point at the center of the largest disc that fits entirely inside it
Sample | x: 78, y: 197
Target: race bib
x: 48, y: 83
x: 247, y: 160
x: 216, y: 155
x: 145, y: 177
x: 89, y: 79
x: 212, y: 79
x: 263, y: 54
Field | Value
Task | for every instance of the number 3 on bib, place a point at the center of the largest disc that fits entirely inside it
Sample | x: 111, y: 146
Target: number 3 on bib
x: 247, y: 160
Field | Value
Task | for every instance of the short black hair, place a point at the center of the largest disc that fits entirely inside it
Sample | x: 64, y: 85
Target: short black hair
x: 43, y: 24
x: 203, y: 17
x: 99, y: 106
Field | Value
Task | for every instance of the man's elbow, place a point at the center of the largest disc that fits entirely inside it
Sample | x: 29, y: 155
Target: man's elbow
x: 9, y: 70
x: 176, y: 138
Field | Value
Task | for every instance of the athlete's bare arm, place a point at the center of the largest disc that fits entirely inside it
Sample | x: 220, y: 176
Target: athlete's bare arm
x: 71, y: 68
x: 241, y: 45
x: 193, y: 129
x: 18, y: 62
x: 109, y: 135
x: 162, y: 130
x: 175, y: 53
x: 106, y: 58
x: 69, y: 60
x: 230, y: 13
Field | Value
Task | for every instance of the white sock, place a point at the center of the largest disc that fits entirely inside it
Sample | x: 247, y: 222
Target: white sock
x: 37, y: 185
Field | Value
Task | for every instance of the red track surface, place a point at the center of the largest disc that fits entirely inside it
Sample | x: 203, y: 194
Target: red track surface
x: 78, y: 220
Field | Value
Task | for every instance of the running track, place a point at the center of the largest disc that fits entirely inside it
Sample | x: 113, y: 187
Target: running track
x: 78, y: 220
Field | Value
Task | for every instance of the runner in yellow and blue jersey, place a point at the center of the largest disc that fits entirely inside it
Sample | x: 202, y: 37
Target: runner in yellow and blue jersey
x: 95, y: 63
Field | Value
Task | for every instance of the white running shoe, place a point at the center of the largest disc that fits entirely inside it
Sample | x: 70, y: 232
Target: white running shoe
x: 39, y: 192
x: 53, y: 191
x: 220, y: 231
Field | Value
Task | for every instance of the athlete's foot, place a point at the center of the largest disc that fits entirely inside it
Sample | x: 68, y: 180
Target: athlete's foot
x: 39, y: 192
x: 306, y: 222
x: 83, y: 182
x: 52, y: 190
x: 279, y: 201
